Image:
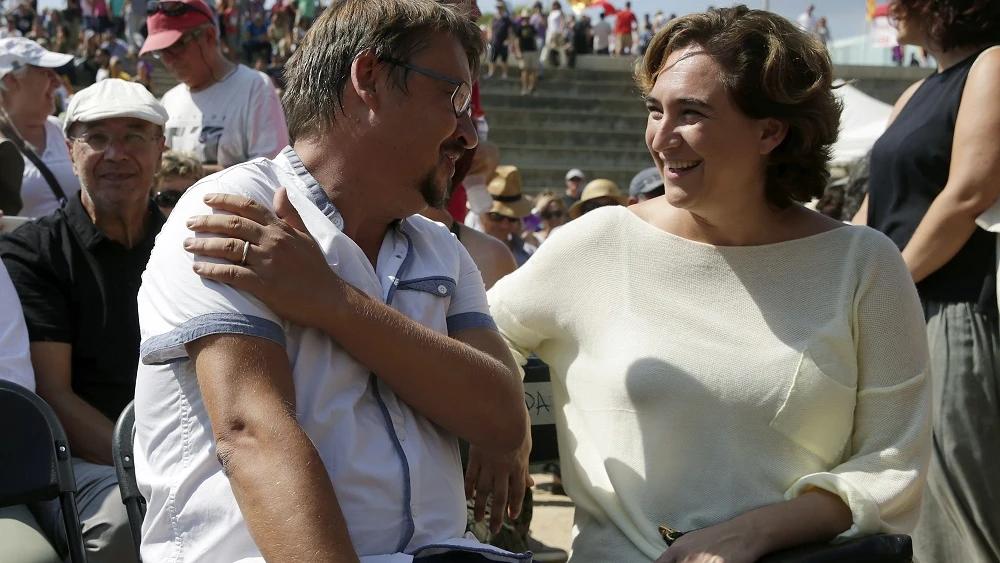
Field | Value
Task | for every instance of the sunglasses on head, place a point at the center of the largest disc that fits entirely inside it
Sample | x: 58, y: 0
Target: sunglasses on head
x: 173, y: 9
x: 167, y: 198
x: 496, y: 217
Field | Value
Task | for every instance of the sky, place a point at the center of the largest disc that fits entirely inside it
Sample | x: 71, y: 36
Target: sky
x: 845, y: 18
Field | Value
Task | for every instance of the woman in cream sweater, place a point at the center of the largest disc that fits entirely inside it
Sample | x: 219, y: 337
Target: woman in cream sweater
x: 726, y: 362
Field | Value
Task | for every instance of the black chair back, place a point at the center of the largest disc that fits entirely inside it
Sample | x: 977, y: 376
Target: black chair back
x: 121, y: 450
x: 35, y: 462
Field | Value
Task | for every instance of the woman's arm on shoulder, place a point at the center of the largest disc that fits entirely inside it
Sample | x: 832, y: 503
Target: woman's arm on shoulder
x: 972, y: 179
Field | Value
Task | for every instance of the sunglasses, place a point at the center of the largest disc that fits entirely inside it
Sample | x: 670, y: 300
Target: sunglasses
x: 167, y: 198
x: 497, y: 218
x: 552, y: 214
x: 173, y: 9
x: 591, y: 205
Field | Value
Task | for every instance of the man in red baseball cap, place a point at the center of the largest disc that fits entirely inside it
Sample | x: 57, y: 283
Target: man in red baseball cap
x: 222, y: 112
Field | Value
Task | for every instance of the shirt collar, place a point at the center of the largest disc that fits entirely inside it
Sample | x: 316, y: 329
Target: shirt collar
x: 79, y: 220
x: 311, y: 188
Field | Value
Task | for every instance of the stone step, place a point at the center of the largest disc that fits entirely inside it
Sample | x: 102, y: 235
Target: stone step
x: 572, y: 156
x: 500, y: 117
x: 541, y: 177
x: 551, y: 86
x: 506, y: 134
x: 570, y: 74
x: 591, y: 104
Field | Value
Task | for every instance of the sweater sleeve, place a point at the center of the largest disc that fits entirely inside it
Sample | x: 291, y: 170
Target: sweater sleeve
x: 525, y: 304
x: 882, y: 477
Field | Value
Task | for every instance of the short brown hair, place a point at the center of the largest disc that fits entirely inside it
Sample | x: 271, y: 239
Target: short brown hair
x: 771, y: 69
x: 953, y: 23
x: 320, y: 69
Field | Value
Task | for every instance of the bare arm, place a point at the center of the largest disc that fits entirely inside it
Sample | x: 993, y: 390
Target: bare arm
x: 813, y: 517
x: 861, y: 217
x: 972, y: 179
x: 469, y: 384
x: 277, y: 477
x: 89, y: 431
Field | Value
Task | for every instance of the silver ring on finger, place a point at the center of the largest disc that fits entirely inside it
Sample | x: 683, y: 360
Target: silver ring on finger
x: 246, y: 249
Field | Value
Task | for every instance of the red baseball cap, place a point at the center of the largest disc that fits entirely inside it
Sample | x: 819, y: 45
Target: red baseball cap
x: 166, y: 29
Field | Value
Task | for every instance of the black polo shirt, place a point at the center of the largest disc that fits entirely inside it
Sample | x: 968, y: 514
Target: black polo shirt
x: 78, y: 286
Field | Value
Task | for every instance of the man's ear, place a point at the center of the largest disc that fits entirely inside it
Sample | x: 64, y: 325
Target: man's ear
x: 772, y: 133
x: 364, y: 78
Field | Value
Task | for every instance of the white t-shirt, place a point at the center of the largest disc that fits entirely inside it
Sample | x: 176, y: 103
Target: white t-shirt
x: 15, y: 361
x: 602, y: 35
x: 555, y: 24
x: 807, y: 22
x: 397, y: 475
x: 36, y: 195
x: 235, y: 120
x: 749, y: 375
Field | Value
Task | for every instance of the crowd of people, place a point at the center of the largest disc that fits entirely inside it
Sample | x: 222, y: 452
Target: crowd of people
x: 310, y: 300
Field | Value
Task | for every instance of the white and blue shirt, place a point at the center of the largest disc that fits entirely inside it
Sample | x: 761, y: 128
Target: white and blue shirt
x: 397, y: 475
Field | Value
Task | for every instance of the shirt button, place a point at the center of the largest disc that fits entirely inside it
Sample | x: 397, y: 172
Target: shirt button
x: 338, y: 221
x: 442, y: 289
x: 413, y: 510
x: 401, y: 434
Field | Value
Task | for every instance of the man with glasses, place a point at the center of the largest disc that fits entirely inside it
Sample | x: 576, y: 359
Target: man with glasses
x: 314, y: 417
x: 77, y: 273
x: 223, y: 112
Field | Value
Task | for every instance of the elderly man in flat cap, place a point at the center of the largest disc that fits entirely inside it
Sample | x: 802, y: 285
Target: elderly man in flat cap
x: 77, y: 273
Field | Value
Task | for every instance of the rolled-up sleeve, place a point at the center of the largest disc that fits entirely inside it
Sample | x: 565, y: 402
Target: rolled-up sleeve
x: 883, y: 475
x: 177, y: 307
x: 469, y: 307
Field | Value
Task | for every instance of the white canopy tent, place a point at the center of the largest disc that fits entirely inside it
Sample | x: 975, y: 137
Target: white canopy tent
x: 863, y: 121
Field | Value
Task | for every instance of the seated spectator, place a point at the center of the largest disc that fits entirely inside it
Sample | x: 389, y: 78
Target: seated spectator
x: 77, y: 274
x: 258, y: 41
x: 178, y: 172
x: 9, y: 28
x: 28, y: 87
x: 510, y: 207
x: 647, y: 184
x: 62, y: 42
x: 598, y: 193
x: 222, y: 112
x: 115, y: 70
x: 783, y: 352
x: 575, y: 179
x: 551, y: 208
x: 144, y: 76
x: 103, y: 60
x: 267, y: 420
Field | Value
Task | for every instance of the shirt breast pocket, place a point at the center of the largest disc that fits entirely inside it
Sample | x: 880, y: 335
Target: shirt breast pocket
x: 818, y: 411
x: 426, y: 300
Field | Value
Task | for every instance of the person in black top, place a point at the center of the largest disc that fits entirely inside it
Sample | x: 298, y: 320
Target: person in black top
x: 526, y: 52
x: 499, y: 36
x: 933, y: 172
x: 77, y: 273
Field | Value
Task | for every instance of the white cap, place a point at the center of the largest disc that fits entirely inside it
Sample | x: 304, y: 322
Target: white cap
x: 19, y: 52
x: 111, y: 98
x: 576, y: 173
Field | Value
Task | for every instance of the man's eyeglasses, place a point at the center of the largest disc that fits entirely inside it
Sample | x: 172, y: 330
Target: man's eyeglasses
x: 167, y: 198
x: 496, y: 218
x: 132, y: 142
x: 461, y: 98
x: 173, y: 9
x: 178, y: 46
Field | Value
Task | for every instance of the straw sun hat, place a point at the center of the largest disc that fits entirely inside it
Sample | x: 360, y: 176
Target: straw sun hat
x: 595, y: 189
x: 505, y: 189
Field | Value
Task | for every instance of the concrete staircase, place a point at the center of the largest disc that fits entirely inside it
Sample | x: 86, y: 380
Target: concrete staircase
x: 587, y: 119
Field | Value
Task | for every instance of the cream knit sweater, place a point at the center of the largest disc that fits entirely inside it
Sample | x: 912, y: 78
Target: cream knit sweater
x: 694, y: 383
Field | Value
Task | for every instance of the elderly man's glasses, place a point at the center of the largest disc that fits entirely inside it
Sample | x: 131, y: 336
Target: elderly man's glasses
x: 178, y: 46
x: 461, y: 98
x: 132, y: 142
